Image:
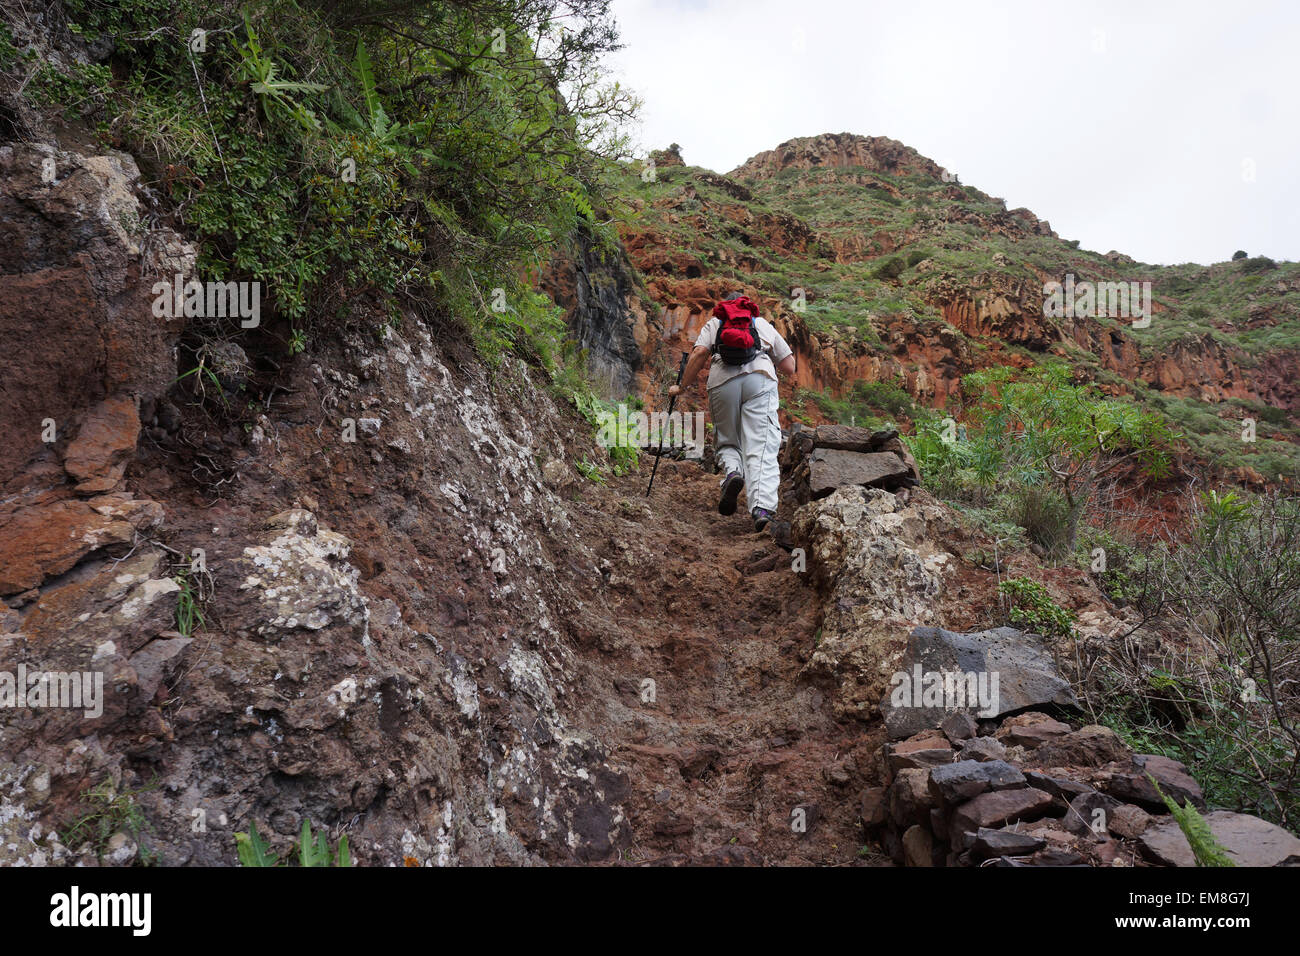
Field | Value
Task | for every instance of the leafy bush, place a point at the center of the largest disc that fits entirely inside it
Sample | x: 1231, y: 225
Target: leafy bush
x: 1044, y: 443
x: 1032, y: 609
x: 1257, y: 264
x: 886, y: 396
x: 1231, y: 711
x: 1048, y: 518
x: 890, y: 268
x: 328, y: 153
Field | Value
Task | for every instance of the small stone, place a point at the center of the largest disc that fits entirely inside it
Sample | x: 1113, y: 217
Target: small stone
x: 1173, y: 777
x: 830, y: 469
x: 990, y: 843
x: 958, y: 726
x: 982, y: 748
x: 1089, y: 814
x: 873, y: 806
x: 1032, y: 734
x: 1128, y: 821
x: 119, y: 850
x: 1067, y: 790
x: 910, y: 799
x: 1091, y: 746
x: 918, y: 846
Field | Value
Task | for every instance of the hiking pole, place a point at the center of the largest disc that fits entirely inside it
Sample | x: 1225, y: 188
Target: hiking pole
x: 672, y: 401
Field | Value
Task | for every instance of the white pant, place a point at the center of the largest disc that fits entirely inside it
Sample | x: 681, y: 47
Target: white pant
x: 747, y: 434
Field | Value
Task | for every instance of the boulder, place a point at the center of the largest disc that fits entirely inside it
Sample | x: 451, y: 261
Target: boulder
x: 830, y: 469
x: 1010, y: 669
x: 1249, y: 840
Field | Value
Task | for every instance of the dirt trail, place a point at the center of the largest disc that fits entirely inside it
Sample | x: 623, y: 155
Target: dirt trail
x: 736, y: 749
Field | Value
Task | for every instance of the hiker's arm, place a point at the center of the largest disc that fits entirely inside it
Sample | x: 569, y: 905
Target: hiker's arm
x: 786, y: 365
x: 698, y: 357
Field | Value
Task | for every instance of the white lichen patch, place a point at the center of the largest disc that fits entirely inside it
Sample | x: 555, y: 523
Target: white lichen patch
x: 305, y: 579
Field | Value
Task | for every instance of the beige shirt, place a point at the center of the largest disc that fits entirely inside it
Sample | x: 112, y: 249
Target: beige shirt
x: 774, y: 350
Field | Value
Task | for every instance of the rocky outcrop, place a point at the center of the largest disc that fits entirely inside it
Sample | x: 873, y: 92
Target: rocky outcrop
x: 875, y: 559
x: 598, y: 289
x: 397, y: 671
x: 76, y: 274
x: 78, y: 260
x: 838, y: 151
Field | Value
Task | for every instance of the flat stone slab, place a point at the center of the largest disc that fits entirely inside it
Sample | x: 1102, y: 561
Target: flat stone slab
x: 830, y: 468
x: 997, y: 807
x: 990, y: 843
x: 1025, y: 677
x: 848, y: 438
x: 1249, y: 840
x: 965, y: 779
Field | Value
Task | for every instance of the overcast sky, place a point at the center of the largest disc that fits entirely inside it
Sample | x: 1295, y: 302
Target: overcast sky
x: 1167, y: 130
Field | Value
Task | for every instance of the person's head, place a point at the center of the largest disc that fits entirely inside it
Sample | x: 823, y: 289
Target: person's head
x: 734, y: 296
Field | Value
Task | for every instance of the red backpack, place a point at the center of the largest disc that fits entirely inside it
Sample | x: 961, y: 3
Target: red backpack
x: 737, y: 341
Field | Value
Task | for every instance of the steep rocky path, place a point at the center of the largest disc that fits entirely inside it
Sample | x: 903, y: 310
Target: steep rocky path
x: 734, y: 755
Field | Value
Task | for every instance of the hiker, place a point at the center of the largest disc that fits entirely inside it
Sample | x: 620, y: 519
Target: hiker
x: 743, y: 401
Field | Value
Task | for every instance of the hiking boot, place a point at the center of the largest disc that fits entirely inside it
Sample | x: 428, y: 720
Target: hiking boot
x: 761, y: 517
x: 731, y: 486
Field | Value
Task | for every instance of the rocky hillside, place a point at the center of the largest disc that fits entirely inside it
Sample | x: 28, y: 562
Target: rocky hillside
x: 358, y: 562
x: 879, y: 266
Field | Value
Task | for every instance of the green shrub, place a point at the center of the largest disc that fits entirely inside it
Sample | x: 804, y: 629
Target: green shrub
x: 890, y: 268
x: 109, y: 811
x: 1048, y: 518
x: 1257, y: 264
x: 397, y: 158
x: 1231, y: 587
x: 1032, y: 609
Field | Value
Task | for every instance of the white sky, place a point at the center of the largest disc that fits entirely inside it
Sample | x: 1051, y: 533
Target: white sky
x: 1128, y: 125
